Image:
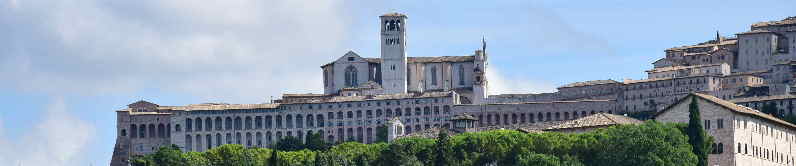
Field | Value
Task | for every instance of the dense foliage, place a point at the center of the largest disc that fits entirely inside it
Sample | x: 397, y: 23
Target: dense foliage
x: 696, y: 134
x: 651, y: 143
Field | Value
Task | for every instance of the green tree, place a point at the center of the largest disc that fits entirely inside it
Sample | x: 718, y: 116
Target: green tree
x: 315, y: 141
x: 381, y: 133
x: 289, y: 143
x: 274, y: 159
x: 168, y: 155
x: 534, y: 159
x: 443, y: 149
x: 696, y: 134
x: 651, y: 143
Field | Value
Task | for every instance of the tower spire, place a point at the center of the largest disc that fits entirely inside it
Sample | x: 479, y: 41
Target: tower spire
x: 483, y: 44
x: 718, y: 37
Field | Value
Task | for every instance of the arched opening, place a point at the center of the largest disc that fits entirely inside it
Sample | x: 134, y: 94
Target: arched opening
x: 351, y: 76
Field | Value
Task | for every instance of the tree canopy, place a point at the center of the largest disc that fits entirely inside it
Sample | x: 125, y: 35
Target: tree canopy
x: 651, y: 143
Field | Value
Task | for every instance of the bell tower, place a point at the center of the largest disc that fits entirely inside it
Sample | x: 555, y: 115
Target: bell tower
x: 393, y: 52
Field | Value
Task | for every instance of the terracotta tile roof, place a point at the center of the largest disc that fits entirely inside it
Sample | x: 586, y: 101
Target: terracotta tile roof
x: 709, y: 43
x: 589, y: 83
x: 596, y: 120
x: 219, y: 106
x: 673, y: 68
x: 551, y: 102
x: 393, y: 14
x: 761, y: 98
x: 332, y: 99
x: 755, y: 32
x: 732, y: 107
x: 786, y: 21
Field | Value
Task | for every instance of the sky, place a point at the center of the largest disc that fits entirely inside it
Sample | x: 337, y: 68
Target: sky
x: 66, y: 66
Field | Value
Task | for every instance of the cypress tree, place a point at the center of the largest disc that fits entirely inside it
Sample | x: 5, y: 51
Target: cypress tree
x: 696, y: 134
x: 274, y: 160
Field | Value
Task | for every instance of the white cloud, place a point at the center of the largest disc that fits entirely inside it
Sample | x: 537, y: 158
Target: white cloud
x: 240, y: 50
x: 502, y: 84
x: 58, y: 139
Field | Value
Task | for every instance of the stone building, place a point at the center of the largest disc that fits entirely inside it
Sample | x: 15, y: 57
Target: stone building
x: 742, y: 135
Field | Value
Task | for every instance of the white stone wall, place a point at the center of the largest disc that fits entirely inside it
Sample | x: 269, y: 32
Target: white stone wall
x: 505, y: 114
x: 393, y: 56
x: 750, y: 132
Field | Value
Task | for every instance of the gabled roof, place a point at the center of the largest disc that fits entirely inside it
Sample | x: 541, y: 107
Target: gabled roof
x: 142, y: 104
x: 787, y: 21
x: 596, y: 120
x: 589, y: 83
x: 729, y: 106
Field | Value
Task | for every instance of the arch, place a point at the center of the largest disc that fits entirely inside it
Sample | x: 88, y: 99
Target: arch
x: 198, y: 142
x: 418, y: 112
x: 229, y: 138
x: 320, y: 120
x: 188, y: 124
x: 350, y: 134
x: 583, y: 113
x: 369, y: 114
x: 388, y: 112
x: 238, y: 138
x: 548, y: 116
x: 436, y: 110
x: 359, y: 114
x: 514, y: 118
x: 177, y: 127
x: 407, y: 111
x: 426, y: 110
x: 360, y: 135
x: 379, y: 113
x: 209, y: 140
x: 340, y: 135
x: 310, y: 121
x: 248, y: 139
x: 219, y: 125
x: 278, y: 136
x: 152, y: 131
x: 289, y: 121
x: 268, y: 121
x: 351, y: 76
x: 188, y: 142
x: 208, y: 124
x: 278, y: 120
x: 531, y: 119
x: 489, y: 119
x: 575, y: 115
x: 541, y: 117
x: 369, y: 135
x: 497, y: 119
x: 481, y: 119
x: 198, y: 126
x: 124, y: 132
x: 258, y: 122
x: 522, y: 118
x: 417, y: 128
x: 268, y: 139
x: 299, y: 121
x: 446, y: 109
x: 218, y: 139
x: 134, y: 131
x: 721, y: 148
x: 505, y: 119
x: 161, y: 131
x: 339, y: 115
x: 238, y: 123
x: 566, y: 115
x: 349, y: 115
x: 558, y: 116
x: 248, y: 123
x: 228, y: 123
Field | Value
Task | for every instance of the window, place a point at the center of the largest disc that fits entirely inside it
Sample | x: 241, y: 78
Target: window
x: 351, y: 77
x: 720, y: 123
x: 434, y: 75
x: 707, y: 124
x: 461, y: 74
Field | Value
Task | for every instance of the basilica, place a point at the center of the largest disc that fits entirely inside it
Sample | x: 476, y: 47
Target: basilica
x: 733, y: 76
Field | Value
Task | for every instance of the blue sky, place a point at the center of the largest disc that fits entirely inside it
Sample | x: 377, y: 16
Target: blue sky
x: 66, y: 66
